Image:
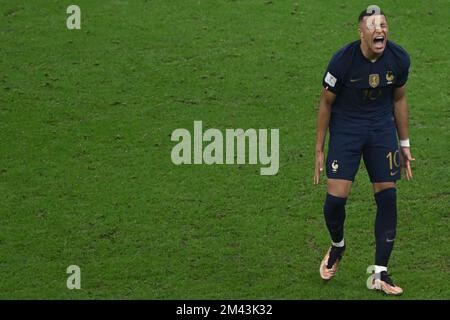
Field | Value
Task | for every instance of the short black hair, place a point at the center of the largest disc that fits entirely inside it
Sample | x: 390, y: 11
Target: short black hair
x: 364, y: 13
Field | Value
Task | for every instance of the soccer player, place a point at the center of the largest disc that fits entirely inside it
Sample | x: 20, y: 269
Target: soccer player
x: 363, y: 104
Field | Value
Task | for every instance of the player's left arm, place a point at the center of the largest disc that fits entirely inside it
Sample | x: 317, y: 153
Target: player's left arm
x: 401, y: 121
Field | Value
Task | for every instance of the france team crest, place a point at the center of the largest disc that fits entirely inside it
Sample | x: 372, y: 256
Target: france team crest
x: 389, y: 77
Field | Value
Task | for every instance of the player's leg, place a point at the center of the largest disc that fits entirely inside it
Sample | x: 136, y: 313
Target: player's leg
x: 382, y: 163
x: 334, y: 209
x: 385, y: 232
x: 334, y: 213
x: 385, y: 221
x: 342, y: 164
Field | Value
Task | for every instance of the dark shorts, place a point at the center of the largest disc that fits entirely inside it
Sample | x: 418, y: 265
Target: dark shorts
x: 379, y: 149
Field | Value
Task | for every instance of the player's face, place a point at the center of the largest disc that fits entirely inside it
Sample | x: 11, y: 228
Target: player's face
x: 374, y: 33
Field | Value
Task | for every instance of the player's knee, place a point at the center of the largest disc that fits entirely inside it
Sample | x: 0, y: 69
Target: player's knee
x: 381, y: 186
x: 339, y: 188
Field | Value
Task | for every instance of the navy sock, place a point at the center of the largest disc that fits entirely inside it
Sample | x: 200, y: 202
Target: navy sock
x: 385, y: 225
x: 334, y: 212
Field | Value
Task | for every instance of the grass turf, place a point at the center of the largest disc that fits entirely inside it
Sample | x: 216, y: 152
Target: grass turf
x: 86, y: 176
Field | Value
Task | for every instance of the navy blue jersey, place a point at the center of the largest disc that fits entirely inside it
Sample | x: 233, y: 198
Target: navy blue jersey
x: 364, y: 89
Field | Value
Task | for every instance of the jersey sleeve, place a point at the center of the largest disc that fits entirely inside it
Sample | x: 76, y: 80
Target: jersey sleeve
x: 334, y: 76
x: 404, y: 70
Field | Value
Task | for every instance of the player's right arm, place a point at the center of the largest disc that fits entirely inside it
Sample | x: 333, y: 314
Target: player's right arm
x: 332, y: 83
x: 323, y: 119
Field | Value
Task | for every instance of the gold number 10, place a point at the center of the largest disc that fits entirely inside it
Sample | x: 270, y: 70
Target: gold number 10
x: 392, y: 159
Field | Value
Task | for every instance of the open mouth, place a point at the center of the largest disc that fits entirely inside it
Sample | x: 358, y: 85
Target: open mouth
x: 379, y: 42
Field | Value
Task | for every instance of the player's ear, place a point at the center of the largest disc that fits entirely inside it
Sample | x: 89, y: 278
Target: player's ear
x: 360, y: 32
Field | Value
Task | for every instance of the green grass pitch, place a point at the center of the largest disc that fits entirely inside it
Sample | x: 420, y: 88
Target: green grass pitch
x: 86, y: 176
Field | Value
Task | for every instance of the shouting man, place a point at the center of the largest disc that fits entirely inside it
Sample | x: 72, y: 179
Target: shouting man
x: 363, y: 104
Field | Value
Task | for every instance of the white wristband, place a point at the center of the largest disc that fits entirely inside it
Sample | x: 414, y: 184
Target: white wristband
x: 404, y: 143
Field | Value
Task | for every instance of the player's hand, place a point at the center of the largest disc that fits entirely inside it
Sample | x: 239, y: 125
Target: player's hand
x: 405, y: 161
x: 319, y: 166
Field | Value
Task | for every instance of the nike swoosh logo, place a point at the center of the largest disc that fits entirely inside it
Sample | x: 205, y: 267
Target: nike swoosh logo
x: 393, y: 173
x: 355, y: 80
x: 389, y: 240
